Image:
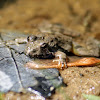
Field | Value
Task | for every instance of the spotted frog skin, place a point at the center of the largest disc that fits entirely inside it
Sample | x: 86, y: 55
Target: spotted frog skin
x: 47, y: 46
x: 55, y: 41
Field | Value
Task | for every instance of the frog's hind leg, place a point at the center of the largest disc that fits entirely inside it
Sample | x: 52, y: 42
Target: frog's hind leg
x: 84, y: 62
x: 62, y: 59
x: 90, y: 49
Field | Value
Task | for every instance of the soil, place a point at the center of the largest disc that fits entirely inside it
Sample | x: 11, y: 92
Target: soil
x: 79, y: 15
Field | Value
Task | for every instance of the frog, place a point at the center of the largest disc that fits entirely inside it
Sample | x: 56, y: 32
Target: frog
x: 55, y: 41
x: 48, y: 46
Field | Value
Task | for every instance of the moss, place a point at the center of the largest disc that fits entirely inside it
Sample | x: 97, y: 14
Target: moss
x: 91, y: 97
x: 1, y: 96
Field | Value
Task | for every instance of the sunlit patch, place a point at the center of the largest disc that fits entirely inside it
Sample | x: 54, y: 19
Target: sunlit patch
x: 5, y: 82
x: 38, y: 95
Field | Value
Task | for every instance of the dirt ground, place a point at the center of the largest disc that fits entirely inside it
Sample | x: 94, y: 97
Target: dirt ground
x: 79, y: 15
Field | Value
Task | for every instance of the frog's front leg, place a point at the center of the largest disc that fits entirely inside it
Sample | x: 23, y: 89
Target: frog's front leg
x: 62, y: 59
x: 17, y: 41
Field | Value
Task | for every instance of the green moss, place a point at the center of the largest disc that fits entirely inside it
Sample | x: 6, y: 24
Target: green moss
x: 91, y: 97
x: 1, y: 96
x: 63, y: 93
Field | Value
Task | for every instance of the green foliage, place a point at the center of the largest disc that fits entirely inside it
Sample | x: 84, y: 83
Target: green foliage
x: 63, y: 93
x: 91, y: 97
x: 1, y: 96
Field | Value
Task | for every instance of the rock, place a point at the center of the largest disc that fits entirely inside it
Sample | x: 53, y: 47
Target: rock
x: 15, y: 77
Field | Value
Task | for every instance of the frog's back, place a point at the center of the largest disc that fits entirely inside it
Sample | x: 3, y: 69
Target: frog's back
x: 58, y: 40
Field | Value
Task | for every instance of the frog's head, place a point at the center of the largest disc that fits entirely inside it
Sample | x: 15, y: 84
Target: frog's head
x: 37, y: 47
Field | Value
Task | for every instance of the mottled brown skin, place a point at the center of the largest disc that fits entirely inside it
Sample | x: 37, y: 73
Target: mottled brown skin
x: 56, y: 41
x: 49, y: 46
x: 50, y: 43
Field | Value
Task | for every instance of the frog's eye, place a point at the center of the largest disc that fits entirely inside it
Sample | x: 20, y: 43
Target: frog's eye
x: 31, y: 38
x: 43, y: 45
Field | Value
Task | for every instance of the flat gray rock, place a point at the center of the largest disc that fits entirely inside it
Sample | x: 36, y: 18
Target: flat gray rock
x: 15, y: 77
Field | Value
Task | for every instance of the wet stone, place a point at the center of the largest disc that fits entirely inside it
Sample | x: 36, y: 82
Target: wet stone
x: 37, y: 79
x: 20, y: 48
x: 10, y: 35
x: 8, y: 73
x: 5, y: 52
x: 1, y: 43
x: 15, y: 77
